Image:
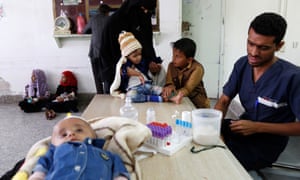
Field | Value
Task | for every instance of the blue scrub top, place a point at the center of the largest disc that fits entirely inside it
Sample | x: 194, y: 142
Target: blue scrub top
x: 274, y: 97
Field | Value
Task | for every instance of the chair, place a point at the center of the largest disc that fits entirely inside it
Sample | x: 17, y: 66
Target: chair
x: 288, y: 164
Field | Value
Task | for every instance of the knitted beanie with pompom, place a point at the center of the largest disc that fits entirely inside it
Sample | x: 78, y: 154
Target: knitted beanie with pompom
x: 128, y: 43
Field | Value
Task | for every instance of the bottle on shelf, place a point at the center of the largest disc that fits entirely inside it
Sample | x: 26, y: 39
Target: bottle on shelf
x: 128, y: 110
x: 80, y: 23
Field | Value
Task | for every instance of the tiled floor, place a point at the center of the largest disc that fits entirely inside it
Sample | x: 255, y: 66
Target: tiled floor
x: 19, y: 131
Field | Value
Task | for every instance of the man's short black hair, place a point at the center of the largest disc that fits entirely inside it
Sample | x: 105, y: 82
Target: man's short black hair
x: 187, y: 46
x: 270, y: 24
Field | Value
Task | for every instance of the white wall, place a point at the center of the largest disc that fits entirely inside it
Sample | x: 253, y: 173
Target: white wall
x: 26, y: 42
x: 239, y: 14
x: 206, y: 18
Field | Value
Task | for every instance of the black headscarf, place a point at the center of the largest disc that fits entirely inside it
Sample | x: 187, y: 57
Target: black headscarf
x: 129, y: 17
x: 128, y: 5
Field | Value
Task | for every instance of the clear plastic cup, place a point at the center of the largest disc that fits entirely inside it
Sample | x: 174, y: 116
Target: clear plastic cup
x: 206, y: 126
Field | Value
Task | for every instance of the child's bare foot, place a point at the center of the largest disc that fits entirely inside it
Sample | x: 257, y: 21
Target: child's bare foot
x: 177, y: 99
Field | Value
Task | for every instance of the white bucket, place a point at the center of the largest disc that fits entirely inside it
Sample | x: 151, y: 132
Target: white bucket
x: 206, y: 126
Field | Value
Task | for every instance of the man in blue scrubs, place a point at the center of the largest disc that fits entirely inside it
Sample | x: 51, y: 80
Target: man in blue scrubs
x: 269, y: 91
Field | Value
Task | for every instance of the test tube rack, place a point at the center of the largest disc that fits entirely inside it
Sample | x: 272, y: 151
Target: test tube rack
x: 164, y: 139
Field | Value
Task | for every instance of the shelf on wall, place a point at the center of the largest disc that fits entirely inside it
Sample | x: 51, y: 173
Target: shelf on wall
x: 87, y: 8
x: 59, y: 37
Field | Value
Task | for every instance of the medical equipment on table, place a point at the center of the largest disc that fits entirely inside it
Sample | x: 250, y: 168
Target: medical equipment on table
x: 163, y: 139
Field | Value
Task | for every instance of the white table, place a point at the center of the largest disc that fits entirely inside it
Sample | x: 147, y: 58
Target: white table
x: 214, y: 164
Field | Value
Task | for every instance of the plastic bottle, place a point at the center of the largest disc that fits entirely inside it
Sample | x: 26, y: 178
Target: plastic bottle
x: 128, y: 110
x: 150, y: 115
x: 178, y: 129
x: 80, y: 23
x: 186, y: 117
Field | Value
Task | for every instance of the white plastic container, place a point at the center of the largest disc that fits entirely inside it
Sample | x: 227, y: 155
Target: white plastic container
x: 186, y: 117
x: 206, y: 126
x: 128, y: 110
x: 150, y: 115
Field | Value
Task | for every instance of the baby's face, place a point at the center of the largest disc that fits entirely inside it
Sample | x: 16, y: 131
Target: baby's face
x: 71, y: 129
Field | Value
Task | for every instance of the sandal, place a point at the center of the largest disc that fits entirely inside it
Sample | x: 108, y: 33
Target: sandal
x: 50, y: 114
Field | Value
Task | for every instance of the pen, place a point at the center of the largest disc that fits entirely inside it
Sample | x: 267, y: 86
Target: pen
x: 255, y: 107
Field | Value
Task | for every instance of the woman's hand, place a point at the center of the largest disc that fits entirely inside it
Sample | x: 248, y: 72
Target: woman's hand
x: 154, y: 67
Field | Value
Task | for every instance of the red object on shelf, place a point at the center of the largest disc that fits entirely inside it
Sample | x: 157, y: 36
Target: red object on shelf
x: 80, y: 23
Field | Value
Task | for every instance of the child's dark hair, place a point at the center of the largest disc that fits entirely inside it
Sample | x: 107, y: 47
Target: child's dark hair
x: 270, y: 24
x: 186, y: 46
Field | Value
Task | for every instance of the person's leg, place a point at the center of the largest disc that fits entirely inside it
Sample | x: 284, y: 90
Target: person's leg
x: 22, y: 104
x: 66, y: 106
x: 151, y: 93
x: 50, y: 113
x: 146, y: 88
x: 138, y: 98
x: 154, y: 98
x: 136, y: 94
x: 156, y: 90
x: 95, y: 63
x: 57, y: 106
x: 106, y: 87
x: 247, y: 154
x: 72, y: 106
x: 31, y: 107
x: 245, y: 148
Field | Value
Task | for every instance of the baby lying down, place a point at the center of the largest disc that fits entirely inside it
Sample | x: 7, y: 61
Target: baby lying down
x: 76, y: 153
x: 122, y: 136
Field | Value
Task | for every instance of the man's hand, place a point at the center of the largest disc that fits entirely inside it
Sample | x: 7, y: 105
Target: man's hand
x: 244, y: 127
x: 154, y: 67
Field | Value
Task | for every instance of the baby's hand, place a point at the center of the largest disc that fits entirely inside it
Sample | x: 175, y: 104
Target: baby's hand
x: 37, y: 176
x: 59, y: 99
x: 142, y: 79
x: 120, y: 178
x: 133, y: 72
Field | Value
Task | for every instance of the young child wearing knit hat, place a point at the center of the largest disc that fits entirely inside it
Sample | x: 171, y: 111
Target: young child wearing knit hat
x: 132, y: 74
